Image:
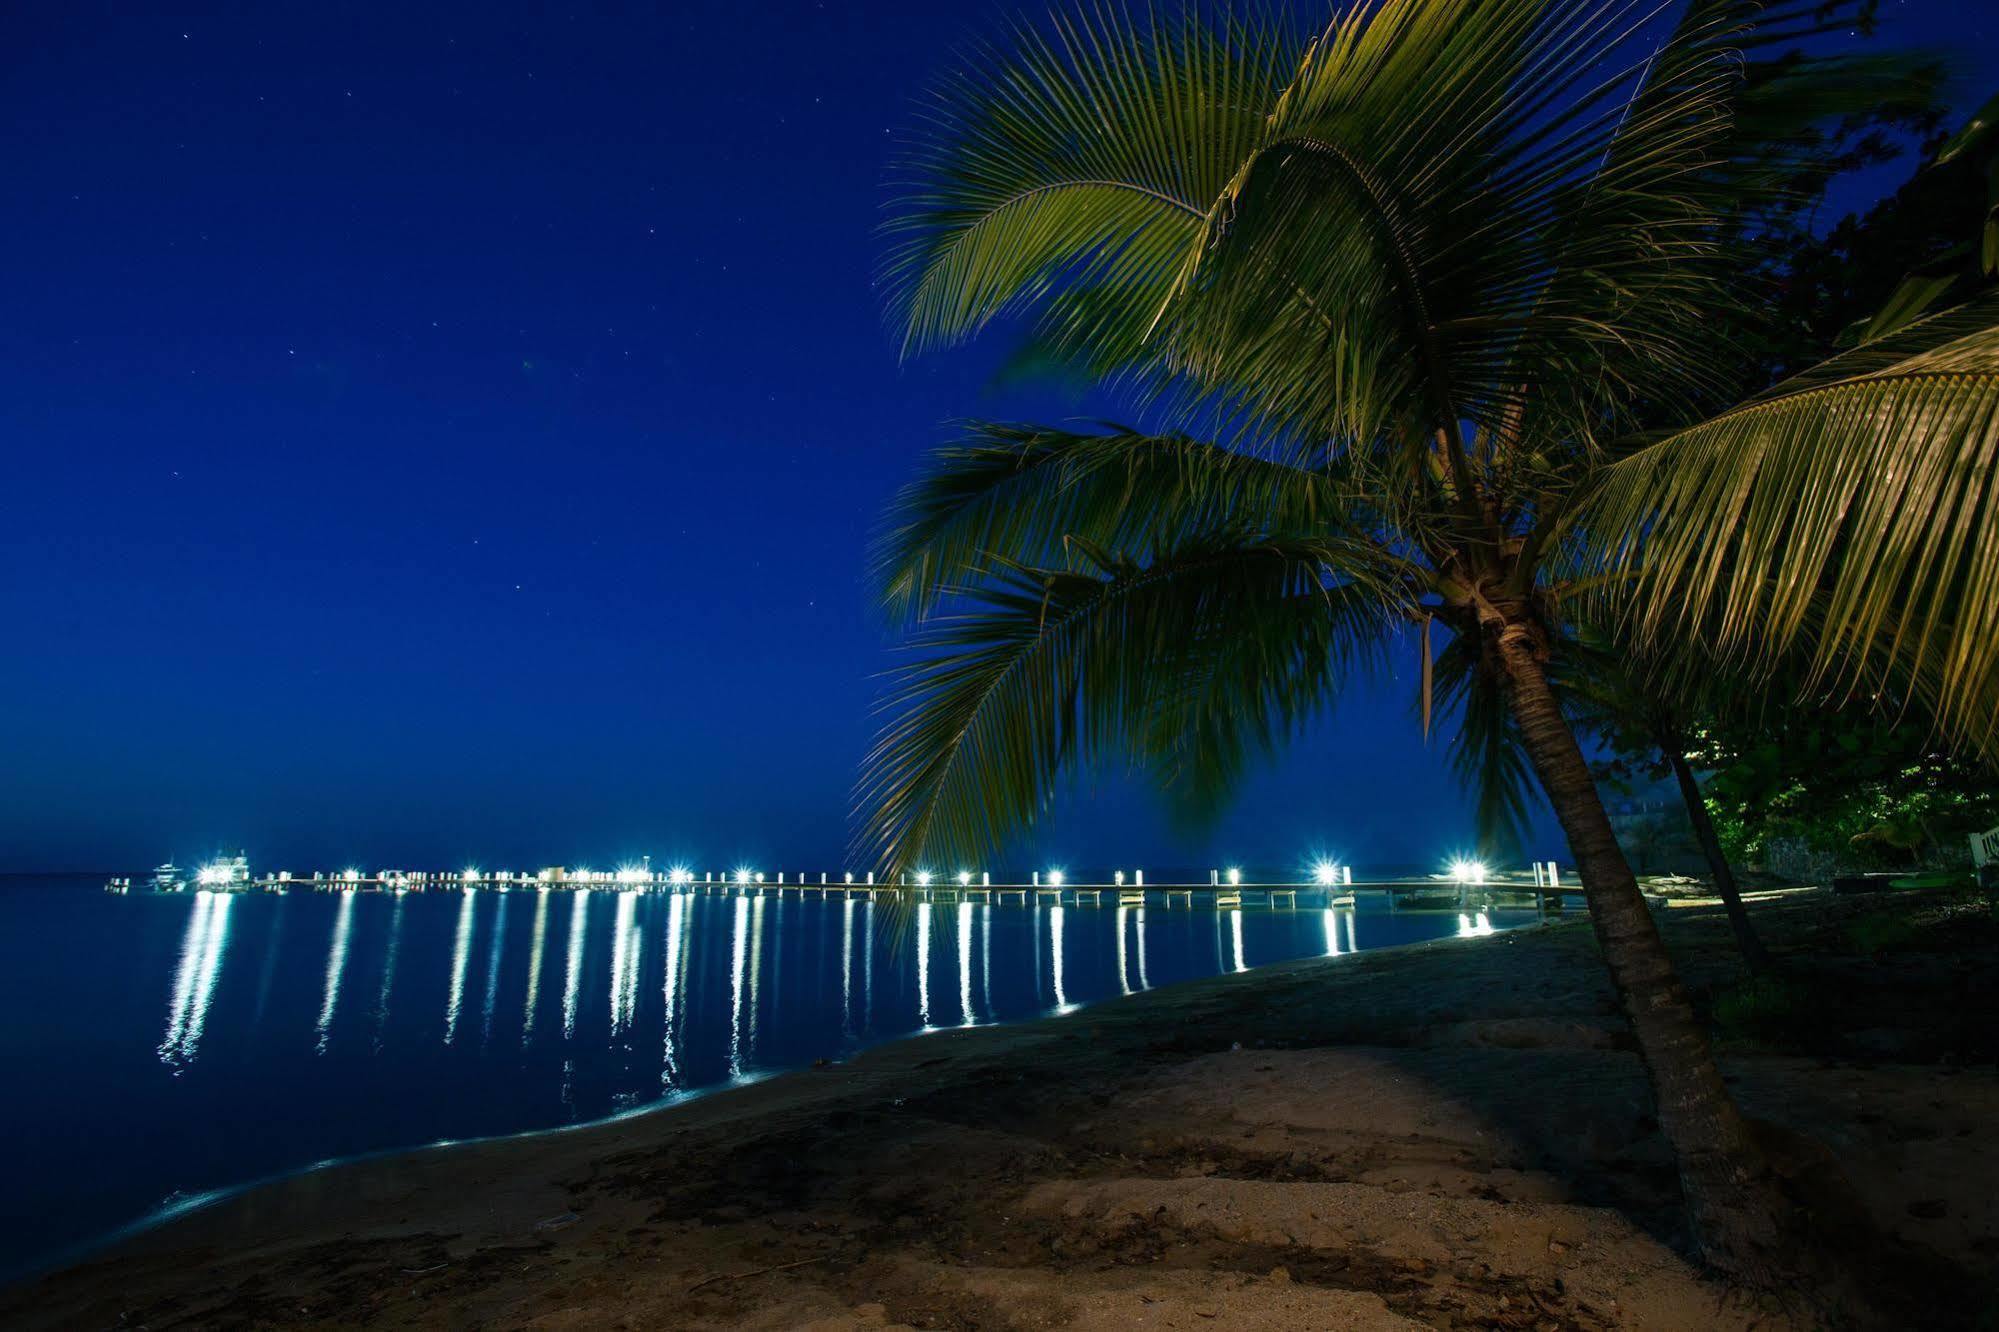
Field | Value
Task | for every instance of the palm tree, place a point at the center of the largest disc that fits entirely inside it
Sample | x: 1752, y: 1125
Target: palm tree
x: 1404, y: 289
x: 1608, y: 693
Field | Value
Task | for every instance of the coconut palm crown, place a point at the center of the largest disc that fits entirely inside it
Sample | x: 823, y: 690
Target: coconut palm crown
x: 1406, y: 291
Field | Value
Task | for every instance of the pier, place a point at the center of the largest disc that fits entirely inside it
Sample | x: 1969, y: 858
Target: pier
x: 1467, y: 886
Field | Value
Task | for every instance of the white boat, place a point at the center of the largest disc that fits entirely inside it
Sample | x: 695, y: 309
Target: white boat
x: 167, y: 878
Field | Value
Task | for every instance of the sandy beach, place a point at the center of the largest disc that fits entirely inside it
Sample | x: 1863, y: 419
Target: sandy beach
x: 1447, y: 1135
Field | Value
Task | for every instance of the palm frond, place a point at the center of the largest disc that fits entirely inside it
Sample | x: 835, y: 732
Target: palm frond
x: 1485, y: 750
x: 1024, y: 493
x: 1080, y: 159
x: 1532, y: 227
x: 1249, y: 690
x: 1043, y: 670
x: 1853, y: 510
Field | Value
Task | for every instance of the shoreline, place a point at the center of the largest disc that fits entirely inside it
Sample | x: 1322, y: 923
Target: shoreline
x: 133, y: 1234
x: 1363, y: 1141
x: 168, y: 1208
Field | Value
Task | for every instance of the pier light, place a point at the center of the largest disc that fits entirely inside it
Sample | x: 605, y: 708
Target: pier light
x: 742, y: 876
x: 850, y: 876
x: 1235, y: 877
x: 680, y: 875
x: 631, y: 874
x: 760, y: 878
x: 351, y: 875
x: 470, y: 876
x: 1117, y: 877
x: 964, y: 878
x: 212, y: 876
x: 923, y: 878
x: 1325, y: 874
x: 1468, y: 871
x: 1054, y: 878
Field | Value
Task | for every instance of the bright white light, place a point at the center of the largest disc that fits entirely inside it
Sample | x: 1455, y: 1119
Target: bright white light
x: 1467, y: 871
x: 923, y: 878
x: 1326, y: 873
x: 212, y: 876
x: 964, y: 878
x: 1235, y: 877
x: 680, y: 874
x: 850, y: 876
x: 742, y: 876
x: 631, y: 874
x: 1054, y: 878
x: 470, y: 876
x: 351, y: 876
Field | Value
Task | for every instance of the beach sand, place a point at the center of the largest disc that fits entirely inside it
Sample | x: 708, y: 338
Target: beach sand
x: 1453, y: 1134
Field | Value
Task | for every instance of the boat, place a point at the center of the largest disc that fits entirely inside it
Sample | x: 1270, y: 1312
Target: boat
x: 166, y: 879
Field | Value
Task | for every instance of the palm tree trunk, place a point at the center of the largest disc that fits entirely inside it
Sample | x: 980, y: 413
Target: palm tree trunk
x: 1741, y: 1220
x: 1746, y: 938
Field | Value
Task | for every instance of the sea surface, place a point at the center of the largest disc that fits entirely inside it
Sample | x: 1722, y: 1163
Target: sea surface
x: 161, y: 1047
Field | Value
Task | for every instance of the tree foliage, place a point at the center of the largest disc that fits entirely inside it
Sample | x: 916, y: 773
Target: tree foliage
x: 1403, y: 287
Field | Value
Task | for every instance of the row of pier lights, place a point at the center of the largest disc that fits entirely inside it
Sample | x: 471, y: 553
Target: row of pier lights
x: 228, y: 874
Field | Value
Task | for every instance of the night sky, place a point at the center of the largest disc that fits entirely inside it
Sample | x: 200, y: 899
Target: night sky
x: 441, y: 436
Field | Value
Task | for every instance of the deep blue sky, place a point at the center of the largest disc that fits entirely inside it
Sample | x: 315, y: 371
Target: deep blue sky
x: 436, y: 433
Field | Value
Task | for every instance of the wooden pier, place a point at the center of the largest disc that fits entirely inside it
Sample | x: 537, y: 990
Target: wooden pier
x: 1543, y: 892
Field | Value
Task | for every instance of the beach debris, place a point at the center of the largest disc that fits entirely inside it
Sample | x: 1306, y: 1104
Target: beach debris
x: 557, y: 1222
x: 761, y: 1271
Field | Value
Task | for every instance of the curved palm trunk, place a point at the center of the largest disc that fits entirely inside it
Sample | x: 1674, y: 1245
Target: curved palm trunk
x: 1746, y: 938
x: 1741, y: 1219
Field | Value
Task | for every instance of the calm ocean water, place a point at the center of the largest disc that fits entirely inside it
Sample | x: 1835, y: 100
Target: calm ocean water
x: 162, y: 1046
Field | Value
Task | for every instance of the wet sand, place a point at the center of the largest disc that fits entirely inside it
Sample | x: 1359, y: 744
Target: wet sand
x: 1451, y: 1134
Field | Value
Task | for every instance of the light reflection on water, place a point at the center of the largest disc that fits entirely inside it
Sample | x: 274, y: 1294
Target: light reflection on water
x: 216, y: 1022
x: 336, y: 964
x: 194, y: 982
